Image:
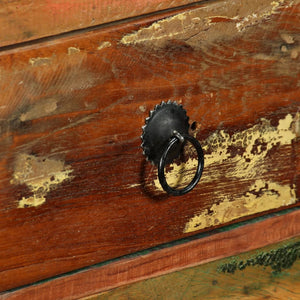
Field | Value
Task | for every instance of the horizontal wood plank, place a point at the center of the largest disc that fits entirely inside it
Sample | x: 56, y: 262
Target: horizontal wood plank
x: 75, y: 188
x: 253, y: 275
x: 164, y: 261
x: 23, y: 21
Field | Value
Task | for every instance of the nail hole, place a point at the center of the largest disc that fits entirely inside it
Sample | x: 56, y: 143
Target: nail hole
x: 194, y: 126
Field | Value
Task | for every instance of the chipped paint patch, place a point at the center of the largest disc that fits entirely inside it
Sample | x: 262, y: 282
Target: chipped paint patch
x: 264, y: 13
x: 287, y: 38
x: 158, y: 32
x: 180, y: 175
x: 39, y: 109
x: 73, y: 50
x: 295, y: 52
x: 297, y: 124
x: 255, y: 143
x: 202, y: 24
x: 245, y: 151
x: 104, y: 45
x: 40, y: 61
x: 142, y: 108
x: 262, y: 196
x: 33, y: 201
x: 245, y: 154
x: 41, y: 175
x: 133, y: 185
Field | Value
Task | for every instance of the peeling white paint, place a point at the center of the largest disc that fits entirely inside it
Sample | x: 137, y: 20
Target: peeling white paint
x: 262, y: 196
x: 104, y: 45
x: 40, y: 175
x: 73, y: 50
x: 203, y: 24
x: 40, y: 61
x: 248, y: 165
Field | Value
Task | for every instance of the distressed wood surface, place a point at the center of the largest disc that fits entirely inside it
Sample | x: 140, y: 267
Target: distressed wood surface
x: 269, y: 273
x: 164, y: 261
x: 26, y: 20
x: 75, y: 188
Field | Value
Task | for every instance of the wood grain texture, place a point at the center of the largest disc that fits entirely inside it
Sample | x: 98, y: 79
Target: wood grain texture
x: 164, y: 261
x: 75, y: 188
x: 23, y: 21
x: 257, y: 281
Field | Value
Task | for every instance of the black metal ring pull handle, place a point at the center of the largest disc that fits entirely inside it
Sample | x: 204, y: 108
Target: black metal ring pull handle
x: 180, y: 138
x: 165, y: 132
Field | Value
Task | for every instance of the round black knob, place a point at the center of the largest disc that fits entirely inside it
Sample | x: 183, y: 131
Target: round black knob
x: 164, y: 134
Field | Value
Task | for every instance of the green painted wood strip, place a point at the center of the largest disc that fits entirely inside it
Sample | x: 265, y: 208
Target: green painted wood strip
x: 272, y: 272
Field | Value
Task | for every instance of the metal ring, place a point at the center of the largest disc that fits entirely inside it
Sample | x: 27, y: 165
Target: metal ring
x: 162, y: 164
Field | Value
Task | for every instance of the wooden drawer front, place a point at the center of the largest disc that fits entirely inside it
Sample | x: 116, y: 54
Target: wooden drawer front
x: 75, y: 187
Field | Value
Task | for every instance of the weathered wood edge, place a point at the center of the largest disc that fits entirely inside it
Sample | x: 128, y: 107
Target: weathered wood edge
x: 27, y: 21
x: 271, y: 272
x: 125, y: 271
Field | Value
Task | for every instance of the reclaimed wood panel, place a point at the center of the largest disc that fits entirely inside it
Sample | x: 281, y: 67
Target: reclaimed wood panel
x: 164, y: 261
x: 75, y: 188
x: 270, y: 273
x: 23, y: 21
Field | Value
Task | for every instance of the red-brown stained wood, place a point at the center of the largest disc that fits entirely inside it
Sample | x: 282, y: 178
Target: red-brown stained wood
x: 75, y: 188
x: 164, y: 261
x: 244, y: 276
x: 23, y: 21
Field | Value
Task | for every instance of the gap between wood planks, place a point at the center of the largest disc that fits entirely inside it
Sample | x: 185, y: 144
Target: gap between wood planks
x: 164, y: 13
x: 158, y: 252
